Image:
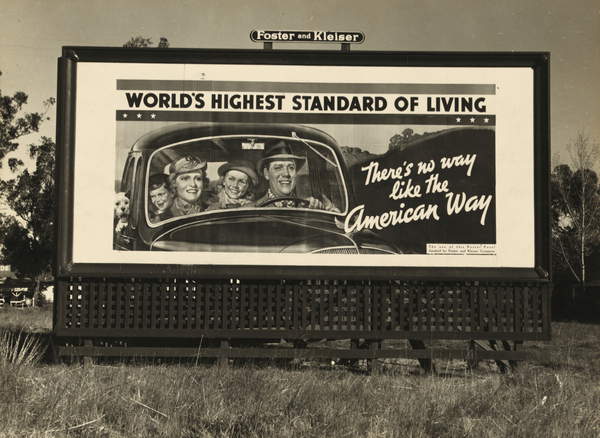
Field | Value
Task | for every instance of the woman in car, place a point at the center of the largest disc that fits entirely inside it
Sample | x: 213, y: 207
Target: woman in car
x: 187, y: 179
x: 236, y: 187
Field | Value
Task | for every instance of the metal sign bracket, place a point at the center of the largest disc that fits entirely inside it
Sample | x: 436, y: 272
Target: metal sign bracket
x: 268, y: 46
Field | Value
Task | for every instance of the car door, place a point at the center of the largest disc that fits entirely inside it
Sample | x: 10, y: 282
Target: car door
x: 131, y: 184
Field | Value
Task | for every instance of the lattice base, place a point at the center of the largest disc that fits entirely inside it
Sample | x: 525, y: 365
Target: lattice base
x: 302, y: 309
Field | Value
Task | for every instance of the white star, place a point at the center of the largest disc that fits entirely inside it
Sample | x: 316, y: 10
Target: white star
x: 139, y: 116
x: 486, y: 120
x: 458, y: 119
x: 124, y: 115
x: 472, y: 119
x: 153, y: 116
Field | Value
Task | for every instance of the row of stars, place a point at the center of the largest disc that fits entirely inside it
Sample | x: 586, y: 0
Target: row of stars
x: 139, y: 115
x: 473, y: 119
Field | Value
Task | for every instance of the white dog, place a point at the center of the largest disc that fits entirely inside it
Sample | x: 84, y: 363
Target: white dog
x: 121, y: 211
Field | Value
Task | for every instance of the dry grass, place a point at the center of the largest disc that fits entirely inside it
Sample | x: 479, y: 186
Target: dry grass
x: 30, y: 320
x: 558, y: 397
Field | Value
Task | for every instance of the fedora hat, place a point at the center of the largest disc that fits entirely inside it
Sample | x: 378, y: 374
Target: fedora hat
x: 279, y: 151
x: 241, y: 166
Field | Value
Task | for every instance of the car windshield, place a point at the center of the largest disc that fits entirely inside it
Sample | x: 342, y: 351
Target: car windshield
x: 203, y: 175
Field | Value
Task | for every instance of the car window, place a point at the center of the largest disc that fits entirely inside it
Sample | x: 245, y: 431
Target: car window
x: 127, y: 181
x: 137, y: 174
x: 204, y: 175
x: 129, y: 187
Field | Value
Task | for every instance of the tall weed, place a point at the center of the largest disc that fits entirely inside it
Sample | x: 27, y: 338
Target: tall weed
x: 18, y: 348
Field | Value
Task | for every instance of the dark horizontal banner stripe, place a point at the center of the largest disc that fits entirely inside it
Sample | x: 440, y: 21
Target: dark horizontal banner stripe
x: 304, y: 87
x: 309, y: 118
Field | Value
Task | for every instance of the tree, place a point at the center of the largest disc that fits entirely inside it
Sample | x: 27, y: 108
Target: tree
x: 576, y: 207
x: 27, y: 236
x: 14, y: 126
x: 400, y: 141
x: 140, y: 41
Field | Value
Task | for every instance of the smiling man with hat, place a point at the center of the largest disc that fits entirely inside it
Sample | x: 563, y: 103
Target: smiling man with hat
x: 280, y: 167
x: 187, y: 178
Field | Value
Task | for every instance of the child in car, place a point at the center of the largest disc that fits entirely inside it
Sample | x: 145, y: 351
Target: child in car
x: 161, y: 198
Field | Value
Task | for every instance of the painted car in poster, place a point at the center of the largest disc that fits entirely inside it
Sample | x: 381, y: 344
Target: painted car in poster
x: 310, y: 219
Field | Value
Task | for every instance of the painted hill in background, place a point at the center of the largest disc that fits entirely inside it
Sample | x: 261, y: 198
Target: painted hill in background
x: 354, y: 155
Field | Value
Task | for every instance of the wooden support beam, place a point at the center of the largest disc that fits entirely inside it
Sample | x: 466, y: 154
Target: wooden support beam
x: 87, y: 359
x: 223, y: 360
x: 373, y: 364
x: 317, y: 353
x: 502, y: 365
x: 425, y: 363
x: 516, y: 344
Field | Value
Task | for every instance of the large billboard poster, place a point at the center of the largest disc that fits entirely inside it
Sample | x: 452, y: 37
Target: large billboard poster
x: 303, y: 165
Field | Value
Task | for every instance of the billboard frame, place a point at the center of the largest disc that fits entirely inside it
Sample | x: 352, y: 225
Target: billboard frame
x: 66, y: 126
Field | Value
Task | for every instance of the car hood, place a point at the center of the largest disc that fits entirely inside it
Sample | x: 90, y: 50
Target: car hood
x: 298, y: 232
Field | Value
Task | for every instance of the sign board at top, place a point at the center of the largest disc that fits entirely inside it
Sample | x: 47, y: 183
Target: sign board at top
x: 312, y: 36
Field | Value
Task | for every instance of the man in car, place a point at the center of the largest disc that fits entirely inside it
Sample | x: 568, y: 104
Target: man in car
x: 280, y: 168
x: 187, y: 178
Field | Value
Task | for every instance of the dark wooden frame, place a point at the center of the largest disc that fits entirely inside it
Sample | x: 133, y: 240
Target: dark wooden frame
x: 229, y: 319
x: 66, y: 122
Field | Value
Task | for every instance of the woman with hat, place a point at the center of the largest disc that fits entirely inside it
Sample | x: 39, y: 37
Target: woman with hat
x: 187, y: 179
x: 236, y: 189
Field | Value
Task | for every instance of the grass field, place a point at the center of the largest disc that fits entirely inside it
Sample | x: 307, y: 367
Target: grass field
x: 559, y: 397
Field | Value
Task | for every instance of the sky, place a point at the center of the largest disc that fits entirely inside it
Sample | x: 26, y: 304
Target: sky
x: 33, y: 32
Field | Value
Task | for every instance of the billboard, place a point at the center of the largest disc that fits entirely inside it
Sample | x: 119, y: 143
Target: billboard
x: 258, y: 164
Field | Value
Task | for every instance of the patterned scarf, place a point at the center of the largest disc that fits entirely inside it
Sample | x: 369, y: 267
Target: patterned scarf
x: 225, y: 201
x: 181, y: 208
x: 283, y: 203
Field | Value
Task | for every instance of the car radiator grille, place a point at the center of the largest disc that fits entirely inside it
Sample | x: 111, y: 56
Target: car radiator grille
x: 351, y: 250
x: 337, y: 250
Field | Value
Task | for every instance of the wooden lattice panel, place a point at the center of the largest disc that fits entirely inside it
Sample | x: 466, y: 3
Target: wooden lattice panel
x: 294, y: 309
